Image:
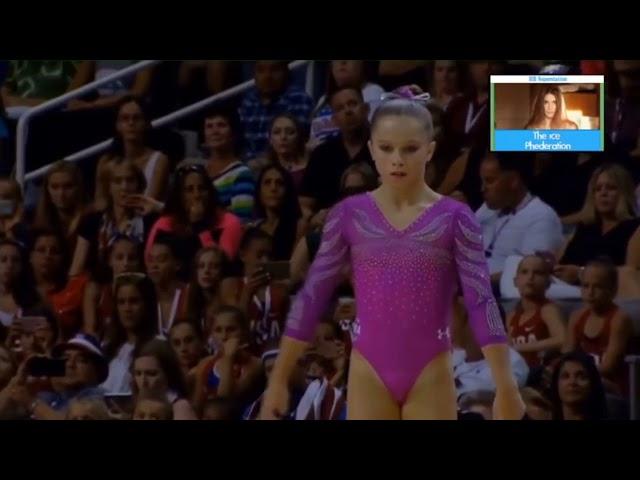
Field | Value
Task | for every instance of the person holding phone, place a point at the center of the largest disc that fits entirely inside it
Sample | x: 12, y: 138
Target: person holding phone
x: 44, y: 387
x: 98, y: 229
x: 39, y: 332
x: 263, y: 298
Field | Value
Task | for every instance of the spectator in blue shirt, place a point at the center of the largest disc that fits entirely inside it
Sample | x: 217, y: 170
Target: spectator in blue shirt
x: 273, y: 94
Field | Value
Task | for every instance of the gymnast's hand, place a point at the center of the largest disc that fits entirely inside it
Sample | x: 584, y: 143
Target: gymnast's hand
x: 275, y: 403
x: 508, y: 404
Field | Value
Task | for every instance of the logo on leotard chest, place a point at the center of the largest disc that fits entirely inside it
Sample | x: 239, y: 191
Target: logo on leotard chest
x: 444, y: 333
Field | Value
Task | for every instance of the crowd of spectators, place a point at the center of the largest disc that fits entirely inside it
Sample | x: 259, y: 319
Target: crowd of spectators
x: 155, y: 286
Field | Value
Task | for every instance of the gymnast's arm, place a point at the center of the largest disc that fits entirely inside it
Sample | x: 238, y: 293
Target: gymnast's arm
x: 484, y: 315
x: 314, y: 297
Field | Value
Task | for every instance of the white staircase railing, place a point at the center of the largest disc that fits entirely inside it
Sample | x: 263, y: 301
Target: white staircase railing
x: 23, y: 124
x: 22, y: 132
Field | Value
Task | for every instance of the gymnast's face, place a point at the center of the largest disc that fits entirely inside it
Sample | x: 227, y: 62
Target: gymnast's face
x: 401, y: 149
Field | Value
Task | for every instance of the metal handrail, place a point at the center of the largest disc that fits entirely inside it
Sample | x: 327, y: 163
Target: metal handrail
x: 23, y: 124
x: 170, y: 118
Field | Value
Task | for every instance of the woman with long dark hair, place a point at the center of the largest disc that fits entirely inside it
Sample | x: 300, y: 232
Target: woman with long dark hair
x: 207, y: 286
x: 194, y: 215
x: 156, y: 371
x: 135, y: 322
x: 550, y: 111
x: 577, y: 392
x: 49, y: 263
x: 278, y: 210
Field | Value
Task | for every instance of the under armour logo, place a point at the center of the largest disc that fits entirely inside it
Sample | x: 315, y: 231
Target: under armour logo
x: 443, y: 333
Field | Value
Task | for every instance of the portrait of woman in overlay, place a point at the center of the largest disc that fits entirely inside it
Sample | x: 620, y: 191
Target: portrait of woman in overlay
x: 409, y: 248
x: 550, y: 111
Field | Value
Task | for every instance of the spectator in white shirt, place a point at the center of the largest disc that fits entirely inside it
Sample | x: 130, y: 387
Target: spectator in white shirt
x: 514, y: 222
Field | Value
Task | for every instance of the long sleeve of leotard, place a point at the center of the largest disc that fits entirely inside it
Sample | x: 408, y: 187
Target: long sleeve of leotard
x: 473, y: 273
x: 313, y: 299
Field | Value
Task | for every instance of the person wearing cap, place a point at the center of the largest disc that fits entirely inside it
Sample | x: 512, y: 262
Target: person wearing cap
x: 85, y: 369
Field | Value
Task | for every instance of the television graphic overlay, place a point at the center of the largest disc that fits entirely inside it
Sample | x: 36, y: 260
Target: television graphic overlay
x: 547, y: 113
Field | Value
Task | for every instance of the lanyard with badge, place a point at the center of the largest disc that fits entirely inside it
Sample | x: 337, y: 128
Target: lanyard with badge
x: 263, y: 330
x: 471, y: 118
x: 617, y: 121
x: 172, y: 313
x: 496, y: 230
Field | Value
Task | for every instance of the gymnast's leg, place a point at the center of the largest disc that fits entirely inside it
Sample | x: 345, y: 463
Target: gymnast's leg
x: 368, y: 398
x: 433, y: 395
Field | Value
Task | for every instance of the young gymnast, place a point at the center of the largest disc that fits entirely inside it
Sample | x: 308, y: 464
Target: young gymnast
x: 409, y: 248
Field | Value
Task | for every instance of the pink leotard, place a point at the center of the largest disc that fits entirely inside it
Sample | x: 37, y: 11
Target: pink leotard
x: 405, y: 282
